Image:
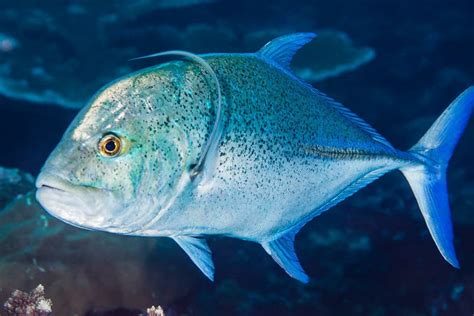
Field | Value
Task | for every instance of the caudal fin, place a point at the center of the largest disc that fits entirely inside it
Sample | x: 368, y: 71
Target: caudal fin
x: 428, y: 180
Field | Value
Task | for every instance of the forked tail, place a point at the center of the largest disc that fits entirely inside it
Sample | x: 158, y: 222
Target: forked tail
x: 428, y: 180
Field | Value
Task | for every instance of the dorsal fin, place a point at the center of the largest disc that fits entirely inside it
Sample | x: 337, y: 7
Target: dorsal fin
x: 199, y: 252
x: 282, y: 251
x: 282, y: 49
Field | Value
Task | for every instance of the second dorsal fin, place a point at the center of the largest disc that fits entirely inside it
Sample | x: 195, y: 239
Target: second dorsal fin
x: 282, y: 49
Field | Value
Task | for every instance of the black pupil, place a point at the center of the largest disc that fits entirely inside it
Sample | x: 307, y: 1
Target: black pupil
x: 110, y: 146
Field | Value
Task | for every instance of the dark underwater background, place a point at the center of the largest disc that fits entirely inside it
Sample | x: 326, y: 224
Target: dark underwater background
x: 398, y: 64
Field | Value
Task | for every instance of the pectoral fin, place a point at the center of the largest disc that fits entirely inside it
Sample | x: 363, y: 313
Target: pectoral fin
x: 199, y: 252
x: 282, y: 251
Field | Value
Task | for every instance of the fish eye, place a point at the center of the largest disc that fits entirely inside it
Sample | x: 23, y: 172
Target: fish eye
x: 110, y: 145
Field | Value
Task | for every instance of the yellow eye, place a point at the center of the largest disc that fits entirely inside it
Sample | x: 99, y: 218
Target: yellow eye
x: 110, y: 145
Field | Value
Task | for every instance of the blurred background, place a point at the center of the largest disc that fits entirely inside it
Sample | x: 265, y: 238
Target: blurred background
x: 397, y: 64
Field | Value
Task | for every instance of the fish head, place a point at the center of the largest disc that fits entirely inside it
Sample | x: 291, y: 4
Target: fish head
x: 117, y: 165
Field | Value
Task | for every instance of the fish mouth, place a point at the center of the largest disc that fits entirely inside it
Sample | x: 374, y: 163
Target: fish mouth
x: 77, y: 205
x: 47, y: 186
x: 61, y: 199
x: 51, y: 182
x: 48, y: 181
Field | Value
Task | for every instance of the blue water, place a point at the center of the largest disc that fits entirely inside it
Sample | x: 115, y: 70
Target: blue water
x: 370, y: 255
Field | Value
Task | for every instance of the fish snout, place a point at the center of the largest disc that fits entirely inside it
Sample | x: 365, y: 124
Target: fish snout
x: 81, y: 206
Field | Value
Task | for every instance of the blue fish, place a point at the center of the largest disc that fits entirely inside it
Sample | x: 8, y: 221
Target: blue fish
x: 234, y: 145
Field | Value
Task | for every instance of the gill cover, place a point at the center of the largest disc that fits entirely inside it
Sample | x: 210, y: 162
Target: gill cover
x: 196, y: 248
x: 206, y: 163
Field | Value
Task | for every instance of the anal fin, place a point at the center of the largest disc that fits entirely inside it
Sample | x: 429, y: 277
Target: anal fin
x: 282, y: 251
x: 199, y: 252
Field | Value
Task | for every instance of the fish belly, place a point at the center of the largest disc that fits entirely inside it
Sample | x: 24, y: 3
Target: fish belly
x: 261, y: 205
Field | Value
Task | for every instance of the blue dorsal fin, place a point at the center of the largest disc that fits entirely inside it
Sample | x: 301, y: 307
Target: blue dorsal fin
x: 282, y: 251
x: 282, y: 49
x: 199, y: 252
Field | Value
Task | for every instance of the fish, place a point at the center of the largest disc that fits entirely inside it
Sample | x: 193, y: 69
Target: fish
x: 234, y: 145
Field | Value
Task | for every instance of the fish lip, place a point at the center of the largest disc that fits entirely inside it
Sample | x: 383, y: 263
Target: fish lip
x: 49, y: 181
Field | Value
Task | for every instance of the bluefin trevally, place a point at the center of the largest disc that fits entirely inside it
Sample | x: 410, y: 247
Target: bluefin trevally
x: 234, y: 145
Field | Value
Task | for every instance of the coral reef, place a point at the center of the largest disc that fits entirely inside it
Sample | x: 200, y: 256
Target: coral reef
x: 155, y: 311
x: 34, y: 303
x: 28, y: 304
x: 66, y: 72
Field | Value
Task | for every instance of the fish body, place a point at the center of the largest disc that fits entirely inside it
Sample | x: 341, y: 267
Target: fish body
x: 279, y: 160
x: 275, y: 154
